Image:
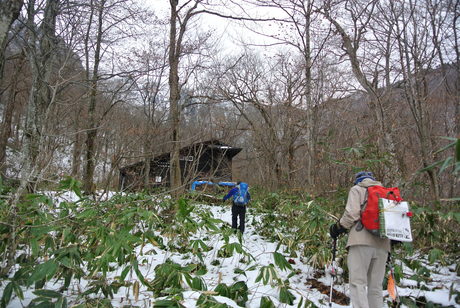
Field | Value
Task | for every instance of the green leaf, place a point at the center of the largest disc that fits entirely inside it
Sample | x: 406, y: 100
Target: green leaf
x: 39, y: 199
x: 307, y: 304
x: 40, y: 231
x: 138, y: 273
x: 47, y: 293
x: 201, y: 270
x: 286, y: 296
x: 457, y: 150
x: 434, y: 255
x: 239, y: 293
x: 446, y: 164
x: 69, y: 183
x: 223, y: 290
x: 266, y: 302
x: 198, y: 284
x: 87, y: 213
x: 7, y: 292
x: 449, y: 138
x: 448, y: 146
x: 456, y: 167
x: 207, y: 301
x: 432, y: 166
x: 281, y: 262
x: 125, y: 272
x: 61, y: 303
x: 35, y: 247
x: 43, y: 271
x: 239, y: 272
x: 452, y: 199
x: 456, y: 215
x: 17, y: 290
x: 167, y: 303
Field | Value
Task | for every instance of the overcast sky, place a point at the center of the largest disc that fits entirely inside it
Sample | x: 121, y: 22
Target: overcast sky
x: 231, y: 35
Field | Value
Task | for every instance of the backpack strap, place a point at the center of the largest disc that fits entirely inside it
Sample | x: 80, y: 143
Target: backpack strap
x: 366, y: 195
x: 359, y: 224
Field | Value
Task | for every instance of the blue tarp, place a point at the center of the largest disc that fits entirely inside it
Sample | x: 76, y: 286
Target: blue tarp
x: 197, y: 183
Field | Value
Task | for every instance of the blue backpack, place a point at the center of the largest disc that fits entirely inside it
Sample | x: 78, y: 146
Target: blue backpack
x: 241, y: 197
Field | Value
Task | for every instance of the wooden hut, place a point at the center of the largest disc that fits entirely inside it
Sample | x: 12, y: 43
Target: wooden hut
x: 210, y: 161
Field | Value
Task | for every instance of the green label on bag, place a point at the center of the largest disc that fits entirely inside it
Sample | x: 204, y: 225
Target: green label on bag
x: 381, y: 219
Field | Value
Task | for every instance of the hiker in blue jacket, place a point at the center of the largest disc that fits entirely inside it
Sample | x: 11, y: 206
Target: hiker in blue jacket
x: 241, y: 197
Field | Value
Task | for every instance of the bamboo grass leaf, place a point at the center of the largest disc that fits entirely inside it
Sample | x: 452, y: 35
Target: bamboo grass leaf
x: 446, y: 164
x: 430, y: 166
x: 7, y: 293
x: 457, y: 150
x: 47, y: 293
x: 198, y: 284
x: 281, y: 262
x: 266, y: 302
x: 43, y: 271
x: 239, y: 272
x: 286, y: 296
x: 61, y: 303
x: 125, y: 272
x: 17, y: 290
x: 135, y: 265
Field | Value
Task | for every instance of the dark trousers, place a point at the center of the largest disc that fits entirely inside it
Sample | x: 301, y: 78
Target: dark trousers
x: 238, y: 211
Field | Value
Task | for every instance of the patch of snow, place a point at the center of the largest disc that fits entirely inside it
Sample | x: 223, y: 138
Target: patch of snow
x: 149, y: 256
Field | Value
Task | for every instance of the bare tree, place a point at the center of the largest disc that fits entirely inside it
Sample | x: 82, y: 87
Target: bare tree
x: 41, y: 53
x: 149, y: 87
x: 9, y: 12
x: 269, y: 97
x: 104, y: 16
x: 298, y: 21
x: 361, y: 14
x: 9, y: 99
x: 418, y: 48
x: 179, y: 21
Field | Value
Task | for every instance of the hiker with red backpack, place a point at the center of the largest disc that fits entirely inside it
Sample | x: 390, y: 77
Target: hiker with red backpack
x: 367, y: 253
x: 241, y: 198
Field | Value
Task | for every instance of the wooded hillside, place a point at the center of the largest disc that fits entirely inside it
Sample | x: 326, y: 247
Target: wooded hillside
x: 90, y: 87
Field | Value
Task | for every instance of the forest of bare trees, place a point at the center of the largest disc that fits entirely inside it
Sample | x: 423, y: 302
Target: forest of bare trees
x: 312, y: 90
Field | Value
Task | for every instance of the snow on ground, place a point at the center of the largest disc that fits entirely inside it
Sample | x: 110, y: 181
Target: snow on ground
x: 261, y: 250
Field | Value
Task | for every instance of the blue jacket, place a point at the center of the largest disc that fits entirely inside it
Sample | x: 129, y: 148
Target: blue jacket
x: 234, y: 191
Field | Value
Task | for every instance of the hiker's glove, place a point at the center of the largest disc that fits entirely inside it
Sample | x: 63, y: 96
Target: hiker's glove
x: 223, y: 199
x: 336, y: 230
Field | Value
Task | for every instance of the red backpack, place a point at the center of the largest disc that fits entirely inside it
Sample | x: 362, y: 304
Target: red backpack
x: 370, y: 208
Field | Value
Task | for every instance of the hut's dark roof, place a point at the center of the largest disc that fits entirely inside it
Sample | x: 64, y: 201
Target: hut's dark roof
x: 213, y: 145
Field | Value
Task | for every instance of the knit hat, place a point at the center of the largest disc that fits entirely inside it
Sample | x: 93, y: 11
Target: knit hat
x: 363, y: 175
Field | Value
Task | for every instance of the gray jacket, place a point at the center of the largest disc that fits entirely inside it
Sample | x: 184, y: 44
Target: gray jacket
x: 351, y: 217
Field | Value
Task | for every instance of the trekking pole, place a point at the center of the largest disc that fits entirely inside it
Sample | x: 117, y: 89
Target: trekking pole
x: 334, y: 250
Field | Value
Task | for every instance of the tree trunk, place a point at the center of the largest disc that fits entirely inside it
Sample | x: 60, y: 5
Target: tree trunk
x: 457, y: 66
x: 41, y: 52
x: 174, y: 96
x: 308, y: 99
x: 9, y: 12
x: 41, y: 59
x: 92, y: 130
x: 76, y: 153
x: 5, y: 131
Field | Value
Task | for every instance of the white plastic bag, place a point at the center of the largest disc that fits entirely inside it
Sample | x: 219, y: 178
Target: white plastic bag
x: 395, y: 220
